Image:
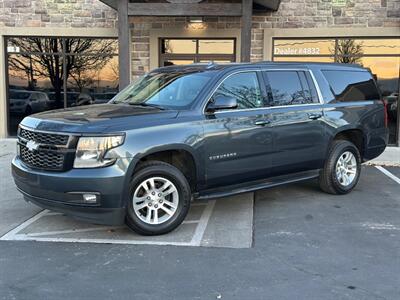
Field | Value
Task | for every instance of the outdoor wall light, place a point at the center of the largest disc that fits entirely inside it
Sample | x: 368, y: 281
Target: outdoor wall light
x: 195, y: 20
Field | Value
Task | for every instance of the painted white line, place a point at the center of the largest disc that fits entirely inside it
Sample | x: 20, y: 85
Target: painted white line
x: 22, y: 237
x: 9, y: 235
x: 53, y: 213
x: 191, y: 222
x: 388, y: 174
x: 201, y: 227
x: 71, y: 231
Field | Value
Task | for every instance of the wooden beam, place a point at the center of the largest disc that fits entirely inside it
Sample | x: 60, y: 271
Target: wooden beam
x: 245, y: 38
x: 185, y: 9
x: 123, y: 44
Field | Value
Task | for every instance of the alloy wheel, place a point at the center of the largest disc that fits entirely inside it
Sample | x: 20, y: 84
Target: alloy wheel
x: 346, y: 168
x: 155, y: 200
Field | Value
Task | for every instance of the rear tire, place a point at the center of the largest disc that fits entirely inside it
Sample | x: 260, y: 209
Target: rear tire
x: 342, y: 168
x: 159, y: 199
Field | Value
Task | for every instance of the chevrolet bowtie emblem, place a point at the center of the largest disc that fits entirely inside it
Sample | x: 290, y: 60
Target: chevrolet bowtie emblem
x: 32, y: 146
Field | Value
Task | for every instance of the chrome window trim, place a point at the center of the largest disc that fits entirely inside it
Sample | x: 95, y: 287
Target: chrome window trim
x: 319, y: 94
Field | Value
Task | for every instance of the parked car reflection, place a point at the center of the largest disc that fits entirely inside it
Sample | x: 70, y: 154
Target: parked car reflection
x: 27, y: 102
x: 103, y: 97
x: 73, y: 99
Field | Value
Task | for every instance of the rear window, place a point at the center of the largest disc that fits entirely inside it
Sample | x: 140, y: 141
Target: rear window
x: 352, y: 85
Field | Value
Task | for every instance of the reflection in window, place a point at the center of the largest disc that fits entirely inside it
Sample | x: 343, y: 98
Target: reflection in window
x: 177, y: 62
x: 165, y: 89
x: 244, y: 88
x: 188, y: 51
x: 179, y: 46
x: 380, y: 55
x: 286, y: 88
x: 36, y: 73
x: 216, y: 46
x: 305, y: 59
x: 350, y: 86
x: 387, y: 72
x: 379, y: 46
x: 304, y: 47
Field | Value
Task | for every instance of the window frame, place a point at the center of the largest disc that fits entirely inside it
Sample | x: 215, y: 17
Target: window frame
x: 259, y: 82
x: 261, y: 79
x: 309, y: 87
x: 355, y: 71
x: 196, y: 57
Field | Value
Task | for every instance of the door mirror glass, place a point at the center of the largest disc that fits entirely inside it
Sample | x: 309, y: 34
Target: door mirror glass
x: 220, y: 102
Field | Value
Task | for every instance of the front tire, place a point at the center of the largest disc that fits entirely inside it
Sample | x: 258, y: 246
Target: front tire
x: 342, y: 168
x: 159, y: 199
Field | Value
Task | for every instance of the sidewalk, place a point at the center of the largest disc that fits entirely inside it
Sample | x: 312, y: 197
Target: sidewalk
x: 391, y: 157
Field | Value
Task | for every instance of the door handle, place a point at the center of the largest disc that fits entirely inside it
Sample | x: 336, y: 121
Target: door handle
x: 262, y: 122
x: 314, y: 116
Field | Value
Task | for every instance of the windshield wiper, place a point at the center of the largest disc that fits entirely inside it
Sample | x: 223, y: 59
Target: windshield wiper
x: 148, y: 105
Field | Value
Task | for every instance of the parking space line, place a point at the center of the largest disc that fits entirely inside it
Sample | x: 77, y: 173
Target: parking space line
x: 44, y: 233
x: 201, y: 227
x: 12, y: 233
x: 388, y: 174
x: 98, y: 241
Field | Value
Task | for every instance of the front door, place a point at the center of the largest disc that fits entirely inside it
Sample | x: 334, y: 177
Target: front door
x: 237, y: 143
x: 184, y: 51
x: 295, y: 117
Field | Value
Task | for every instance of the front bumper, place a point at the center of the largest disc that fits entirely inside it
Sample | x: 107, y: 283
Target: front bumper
x: 62, y: 191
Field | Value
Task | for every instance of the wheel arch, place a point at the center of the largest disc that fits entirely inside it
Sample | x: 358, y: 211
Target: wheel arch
x: 353, y: 134
x: 181, y: 156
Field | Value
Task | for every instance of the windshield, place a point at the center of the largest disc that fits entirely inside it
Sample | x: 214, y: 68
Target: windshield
x: 176, y: 90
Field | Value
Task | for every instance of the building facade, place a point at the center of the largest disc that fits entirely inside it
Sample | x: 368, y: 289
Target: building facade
x: 60, y: 53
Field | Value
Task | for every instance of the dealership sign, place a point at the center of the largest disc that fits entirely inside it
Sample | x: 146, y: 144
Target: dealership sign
x: 297, y: 51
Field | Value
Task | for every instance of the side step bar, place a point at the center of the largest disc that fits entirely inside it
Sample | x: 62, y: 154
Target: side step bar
x: 255, y: 185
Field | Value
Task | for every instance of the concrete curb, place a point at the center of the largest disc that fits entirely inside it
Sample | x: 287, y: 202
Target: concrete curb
x: 391, y: 157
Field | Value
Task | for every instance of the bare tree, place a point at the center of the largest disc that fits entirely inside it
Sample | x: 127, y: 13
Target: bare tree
x: 43, y: 58
x: 349, y: 51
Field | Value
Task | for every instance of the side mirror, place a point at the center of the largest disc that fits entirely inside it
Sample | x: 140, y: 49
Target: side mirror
x: 222, y: 102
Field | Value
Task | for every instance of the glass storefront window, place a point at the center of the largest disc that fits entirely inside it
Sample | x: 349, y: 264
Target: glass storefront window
x: 387, y: 72
x: 179, y: 46
x: 380, y: 55
x: 216, y: 46
x: 36, y: 73
x: 379, y: 46
x: 305, y: 59
x: 188, y: 51
x: 304, y: 47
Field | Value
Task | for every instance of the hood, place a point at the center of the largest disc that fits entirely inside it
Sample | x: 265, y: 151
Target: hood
x: 98, y: 118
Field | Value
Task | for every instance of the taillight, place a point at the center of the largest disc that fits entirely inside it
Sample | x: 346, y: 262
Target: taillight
x: 386, y: 120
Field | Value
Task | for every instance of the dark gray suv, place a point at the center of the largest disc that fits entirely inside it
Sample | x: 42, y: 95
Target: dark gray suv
x: 198, y: 132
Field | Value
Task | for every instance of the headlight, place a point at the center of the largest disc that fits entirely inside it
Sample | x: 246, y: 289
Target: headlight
x: 91, y: 151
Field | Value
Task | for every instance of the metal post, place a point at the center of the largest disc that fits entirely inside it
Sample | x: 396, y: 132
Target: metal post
x: 123, y: 44
x: 245, y: 39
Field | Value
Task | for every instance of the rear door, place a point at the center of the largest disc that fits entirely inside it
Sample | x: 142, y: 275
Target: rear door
x: 296, y: 116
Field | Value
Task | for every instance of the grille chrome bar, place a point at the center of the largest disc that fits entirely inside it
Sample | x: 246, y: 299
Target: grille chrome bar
x: 52, y: 151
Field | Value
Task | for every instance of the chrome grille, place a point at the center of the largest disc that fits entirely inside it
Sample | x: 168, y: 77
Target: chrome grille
x: 43, y: 137
x: 50, y: 152
x: 47, y: 160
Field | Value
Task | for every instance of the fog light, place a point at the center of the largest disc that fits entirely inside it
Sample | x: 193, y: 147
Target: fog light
x: 89, y: 198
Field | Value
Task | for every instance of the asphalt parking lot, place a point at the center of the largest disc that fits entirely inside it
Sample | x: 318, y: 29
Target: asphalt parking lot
x: 291, y: 242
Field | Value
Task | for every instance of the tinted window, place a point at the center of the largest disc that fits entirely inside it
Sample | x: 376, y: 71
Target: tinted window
x: 288, y: 88
x: 244, y: 87
x: 171, y: 89
x: 352, y: 85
